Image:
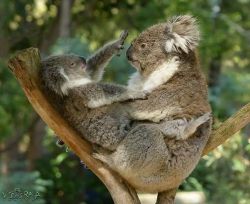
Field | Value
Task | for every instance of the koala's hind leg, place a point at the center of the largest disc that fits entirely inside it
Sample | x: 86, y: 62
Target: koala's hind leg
x: 142, y: 152
x: 181, y: 128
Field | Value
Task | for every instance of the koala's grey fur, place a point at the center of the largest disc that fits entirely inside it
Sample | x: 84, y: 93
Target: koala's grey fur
x: 147, y: 158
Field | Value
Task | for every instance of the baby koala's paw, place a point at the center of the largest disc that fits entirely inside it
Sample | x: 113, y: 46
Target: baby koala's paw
x: 204, y: 118
x: 192, y: 125
x: 120, y: 42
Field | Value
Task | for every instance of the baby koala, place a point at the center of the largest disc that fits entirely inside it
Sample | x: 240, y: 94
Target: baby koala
x: 71, y: 84
x: 168, y: 69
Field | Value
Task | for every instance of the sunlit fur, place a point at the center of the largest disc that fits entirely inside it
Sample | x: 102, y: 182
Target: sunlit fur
x: 183, y: 34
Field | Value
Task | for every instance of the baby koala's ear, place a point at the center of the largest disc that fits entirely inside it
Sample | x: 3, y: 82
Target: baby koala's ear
x: 182, y: 34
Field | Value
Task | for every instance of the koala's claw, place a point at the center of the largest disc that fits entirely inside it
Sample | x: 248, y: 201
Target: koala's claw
x: 99, y: 157
x: 123, y: 36
x: 204, y: 118
x: 120, y: 42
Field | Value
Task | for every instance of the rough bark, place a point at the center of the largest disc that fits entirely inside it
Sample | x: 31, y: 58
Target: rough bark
x: 25, y: 66
x: 166, y: 197
x: 228, y: 128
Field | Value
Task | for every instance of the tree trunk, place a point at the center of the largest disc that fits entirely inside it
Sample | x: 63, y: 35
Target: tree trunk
x: 25, y: 66
x: 214, y: 72
x: 35, y: 149
x: 166, y: 197
x: 65, y: 18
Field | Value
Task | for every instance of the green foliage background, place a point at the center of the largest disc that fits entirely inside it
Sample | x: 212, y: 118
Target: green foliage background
x: 58, y: 175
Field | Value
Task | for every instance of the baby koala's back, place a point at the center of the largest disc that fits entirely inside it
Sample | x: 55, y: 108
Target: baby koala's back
x: 104, y: 125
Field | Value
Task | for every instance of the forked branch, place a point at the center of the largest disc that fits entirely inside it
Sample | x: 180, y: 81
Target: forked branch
x: 25, y: 66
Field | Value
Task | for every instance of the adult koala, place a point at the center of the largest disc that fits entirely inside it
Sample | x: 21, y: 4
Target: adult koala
x: 143, y: 158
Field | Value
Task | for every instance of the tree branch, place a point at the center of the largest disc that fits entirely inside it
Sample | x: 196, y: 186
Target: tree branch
x: 25, y: 66
x: 228, y: 128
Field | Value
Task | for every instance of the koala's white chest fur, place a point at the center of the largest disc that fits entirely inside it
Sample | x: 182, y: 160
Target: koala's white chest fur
x: 160, y: 76
x: 69, y: 84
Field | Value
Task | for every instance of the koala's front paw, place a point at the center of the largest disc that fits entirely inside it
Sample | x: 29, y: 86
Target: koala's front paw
x: 123, y: 36
x: 120, y: 42
x: 204, y: 118
x: 137, y: 94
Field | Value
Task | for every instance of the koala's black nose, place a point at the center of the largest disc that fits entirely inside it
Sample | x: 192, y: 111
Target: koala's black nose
x: 83, y: 60
x: 129, y: 53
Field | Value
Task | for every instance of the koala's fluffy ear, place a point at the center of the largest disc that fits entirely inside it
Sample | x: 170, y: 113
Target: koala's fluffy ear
x: 182, y: 34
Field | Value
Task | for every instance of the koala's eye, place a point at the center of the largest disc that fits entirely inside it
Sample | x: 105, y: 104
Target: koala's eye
x: 143, y: 45
x: 72, y: 64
